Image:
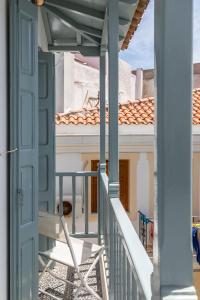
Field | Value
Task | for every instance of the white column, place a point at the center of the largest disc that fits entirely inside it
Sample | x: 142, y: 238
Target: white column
x: 139, y: 84
x: 113, y: 37
x: 68, y: 81
x: 143, y: 184
x: 173, y: 248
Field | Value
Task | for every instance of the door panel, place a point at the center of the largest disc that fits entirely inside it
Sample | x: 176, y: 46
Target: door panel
x: 123, y: 179
x: 124, y: 182
x: 27, y: 117
x: 46, y: 138
x: 46, y: 131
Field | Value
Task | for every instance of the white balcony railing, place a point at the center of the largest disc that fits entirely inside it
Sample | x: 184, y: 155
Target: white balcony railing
x: 129, y: 267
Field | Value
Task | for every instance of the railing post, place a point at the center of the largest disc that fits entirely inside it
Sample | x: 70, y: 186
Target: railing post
x: 61, y: 195
x: 102, y: 166
x: 173, y: 245
x: 73, y: 204
x: 101, y: 169
x: 102, y: 107
x: 113, y: 46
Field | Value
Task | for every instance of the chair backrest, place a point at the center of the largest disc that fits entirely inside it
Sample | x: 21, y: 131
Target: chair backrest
x: 55, y: 227
x: 50, y: 225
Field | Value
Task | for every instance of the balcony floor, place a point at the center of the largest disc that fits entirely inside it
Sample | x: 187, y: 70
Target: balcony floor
x: 66, y: 291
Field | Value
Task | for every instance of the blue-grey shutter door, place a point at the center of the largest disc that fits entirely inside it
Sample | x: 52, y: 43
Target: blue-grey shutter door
x: 46, y: 136
x: 46, y: 131
x: 27, y: 192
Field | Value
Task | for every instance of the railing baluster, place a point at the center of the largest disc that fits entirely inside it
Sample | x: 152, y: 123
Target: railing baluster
x: 124, y: 273
x: 118, y: 265
x: 115, y: 255
x: 61, y: 195
x: 111, y: 260
x: 122, y: 245
x: 134, y: 288
x: 73, y: 204
x: 86, y: 204
x: 128, y: 282
x: 85, y: 233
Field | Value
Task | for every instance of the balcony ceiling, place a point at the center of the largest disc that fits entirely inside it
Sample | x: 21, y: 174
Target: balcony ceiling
x: 80, y: 25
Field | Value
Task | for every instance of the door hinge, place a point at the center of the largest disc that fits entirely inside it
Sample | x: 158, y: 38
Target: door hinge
x: 20, y: 196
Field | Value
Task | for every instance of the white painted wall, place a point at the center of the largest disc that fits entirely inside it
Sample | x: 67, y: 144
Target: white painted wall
x: 59, y: 81
x: 126, y: 82
x: 148, y: 80
x: 81, y: 79
x: 69, y: 162
x: 68, y: 81
x: 3, y: 147
x: 142, y: 179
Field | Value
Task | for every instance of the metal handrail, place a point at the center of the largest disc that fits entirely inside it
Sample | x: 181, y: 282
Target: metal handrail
x: 77, y: 174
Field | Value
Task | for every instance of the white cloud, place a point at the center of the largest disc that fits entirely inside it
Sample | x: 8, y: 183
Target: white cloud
x: 140, y: 53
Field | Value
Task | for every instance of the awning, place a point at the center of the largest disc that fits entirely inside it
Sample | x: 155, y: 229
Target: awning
x: 81, y: 25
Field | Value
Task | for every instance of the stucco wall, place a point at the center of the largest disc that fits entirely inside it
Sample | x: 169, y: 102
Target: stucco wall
x: 77, y: 149
x: 66, y: 162
x: 82, y: 79
x: 3, y: 147
x: 59, y: 81
x: 148, y: 82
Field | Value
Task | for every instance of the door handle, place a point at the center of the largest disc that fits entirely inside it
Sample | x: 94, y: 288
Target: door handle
x: 20, y: 197
x: 8, y: 152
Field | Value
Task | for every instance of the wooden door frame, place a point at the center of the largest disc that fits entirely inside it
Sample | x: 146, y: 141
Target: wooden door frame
x: 133, y: 158
x: 94, y: 190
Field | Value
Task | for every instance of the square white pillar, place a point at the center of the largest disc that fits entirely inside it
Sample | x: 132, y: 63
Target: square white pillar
x: 173, y: 224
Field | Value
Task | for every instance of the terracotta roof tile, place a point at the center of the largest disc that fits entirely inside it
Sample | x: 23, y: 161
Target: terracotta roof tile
x: 132, y: 113
x: 141, y: 6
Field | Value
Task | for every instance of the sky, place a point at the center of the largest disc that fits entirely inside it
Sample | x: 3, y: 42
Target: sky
x: 140, y: 53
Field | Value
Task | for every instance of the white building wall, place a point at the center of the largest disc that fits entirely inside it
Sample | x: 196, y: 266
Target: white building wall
x: 126, y: 82
x: 82, y: 80
x: 3, y: 147
x: 148, y: 80
x: 142, y: 179
x: 68, y: 81
x: 69, y: 162
x: 59, y: 81
x: 86, y: 82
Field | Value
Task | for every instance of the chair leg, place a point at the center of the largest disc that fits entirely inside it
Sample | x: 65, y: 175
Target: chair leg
x: 48, y: 294
x: 78, y: 291
x: 91, y: 291
x: 46, y: 266
x: 93, y: 265
x: 84, y: 279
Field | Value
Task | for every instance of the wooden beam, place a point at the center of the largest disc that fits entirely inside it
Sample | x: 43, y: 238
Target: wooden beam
x: 128, y: 1
x: 86, y: 51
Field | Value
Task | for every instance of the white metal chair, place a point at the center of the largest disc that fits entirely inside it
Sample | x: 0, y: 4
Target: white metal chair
x: 68, y: 251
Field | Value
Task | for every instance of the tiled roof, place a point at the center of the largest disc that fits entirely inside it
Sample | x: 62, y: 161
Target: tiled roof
x: 140, y: 112
x: 142, y: 5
